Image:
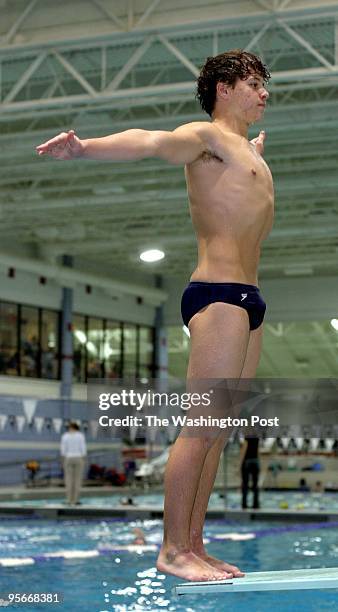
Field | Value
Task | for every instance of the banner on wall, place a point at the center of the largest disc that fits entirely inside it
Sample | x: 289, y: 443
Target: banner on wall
x: 132, y: 432
x: 3, y: 421
x: 94, y: 425
x: 29, y: 407
x: 171, y: 432
x: 285, y: 442
x: 39, y: 421
x: 151, y: 433
x: 57, y: 424
x: 314, y: 442
x: 20, y: 421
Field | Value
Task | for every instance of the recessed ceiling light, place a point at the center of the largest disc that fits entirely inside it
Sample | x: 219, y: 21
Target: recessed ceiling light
x: 152, y: 255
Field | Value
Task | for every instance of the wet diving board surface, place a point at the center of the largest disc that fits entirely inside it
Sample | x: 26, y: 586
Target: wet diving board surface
x: 290, y: 580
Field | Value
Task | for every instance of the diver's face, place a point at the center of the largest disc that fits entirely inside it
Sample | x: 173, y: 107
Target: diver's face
x: 249, y: 97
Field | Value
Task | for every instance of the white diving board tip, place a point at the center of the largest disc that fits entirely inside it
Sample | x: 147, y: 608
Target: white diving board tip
x: 289, y: 580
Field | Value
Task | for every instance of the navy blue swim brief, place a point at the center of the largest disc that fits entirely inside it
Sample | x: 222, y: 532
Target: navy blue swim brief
x: 198, y: 295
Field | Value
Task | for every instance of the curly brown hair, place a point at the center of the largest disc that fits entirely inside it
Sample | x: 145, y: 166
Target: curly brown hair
x: 226, y: 68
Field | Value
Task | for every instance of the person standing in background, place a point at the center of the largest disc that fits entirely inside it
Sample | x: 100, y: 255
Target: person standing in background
x: 249, y: 462
x: 73, y: 452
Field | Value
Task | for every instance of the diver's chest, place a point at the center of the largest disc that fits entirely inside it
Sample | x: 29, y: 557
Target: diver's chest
x: 251, y: 167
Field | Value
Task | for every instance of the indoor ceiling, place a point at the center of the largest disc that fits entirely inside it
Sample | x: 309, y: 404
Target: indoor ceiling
x: 100, y: 66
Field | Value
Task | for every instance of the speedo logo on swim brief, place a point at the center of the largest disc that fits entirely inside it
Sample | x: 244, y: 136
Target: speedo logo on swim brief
x: 244, y: 295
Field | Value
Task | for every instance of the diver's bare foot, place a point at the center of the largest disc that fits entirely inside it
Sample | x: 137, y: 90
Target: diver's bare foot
x: 220, y: 565
x: 188, y: 566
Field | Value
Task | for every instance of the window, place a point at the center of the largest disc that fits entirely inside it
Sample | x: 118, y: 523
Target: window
x: 29, y: 342
x: 95, y: 341
x: 129, y: 350
x: 112, y: 350
x: 79, y: 348
x: 49, y: 344
x: 30, y: 338
x: 9, y: 357
x: 146, y: 353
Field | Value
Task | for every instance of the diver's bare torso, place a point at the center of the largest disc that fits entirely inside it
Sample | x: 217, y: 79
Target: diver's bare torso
x: 231, y: 200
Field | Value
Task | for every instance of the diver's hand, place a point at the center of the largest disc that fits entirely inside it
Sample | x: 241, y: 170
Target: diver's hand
x: 63, y: 146
x: 259, y: 142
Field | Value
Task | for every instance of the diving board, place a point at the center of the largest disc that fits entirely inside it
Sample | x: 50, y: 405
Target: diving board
x: 290, y: 580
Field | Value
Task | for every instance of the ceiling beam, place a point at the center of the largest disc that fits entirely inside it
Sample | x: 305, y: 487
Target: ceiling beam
x: 304, y: 43
x: 24, y: 79
x: 108, y: 13
x: 76, y: 74
x: 7, y: 39
x: 129, y: 65
x: 226, y: 20
x: 179, y: 55
x: 150, y: 9
x: 257, y: 37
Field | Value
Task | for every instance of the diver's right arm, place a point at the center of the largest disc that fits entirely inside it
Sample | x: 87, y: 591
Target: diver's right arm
x: 181, y: 146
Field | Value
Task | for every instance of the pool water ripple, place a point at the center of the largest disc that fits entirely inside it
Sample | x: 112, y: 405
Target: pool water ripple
x: 126, y: 580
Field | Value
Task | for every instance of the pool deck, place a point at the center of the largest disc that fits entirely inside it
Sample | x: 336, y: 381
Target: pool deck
x: 60, y: 510
x: 14, y: 492
x: 56, y: 511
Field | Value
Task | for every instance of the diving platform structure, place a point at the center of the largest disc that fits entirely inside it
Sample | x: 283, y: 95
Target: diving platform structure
x: 289, y: 580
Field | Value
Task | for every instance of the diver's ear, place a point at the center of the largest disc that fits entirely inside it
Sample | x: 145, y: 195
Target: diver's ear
x: 222, y: 90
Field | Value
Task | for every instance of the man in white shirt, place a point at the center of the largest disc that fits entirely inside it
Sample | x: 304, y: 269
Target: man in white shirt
x: 73, y: 451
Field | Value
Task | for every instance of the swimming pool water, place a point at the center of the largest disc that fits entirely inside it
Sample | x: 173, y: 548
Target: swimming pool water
x: 124, y: 581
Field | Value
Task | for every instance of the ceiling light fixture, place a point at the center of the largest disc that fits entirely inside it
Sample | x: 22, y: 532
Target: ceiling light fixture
x: 152, y: 255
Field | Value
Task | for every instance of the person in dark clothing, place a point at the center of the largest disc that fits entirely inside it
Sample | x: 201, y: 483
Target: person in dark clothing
x: 250, y: 468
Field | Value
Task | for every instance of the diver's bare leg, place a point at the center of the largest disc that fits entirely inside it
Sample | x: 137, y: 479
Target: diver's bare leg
x: 211, y: 465
x: 218, y: 326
